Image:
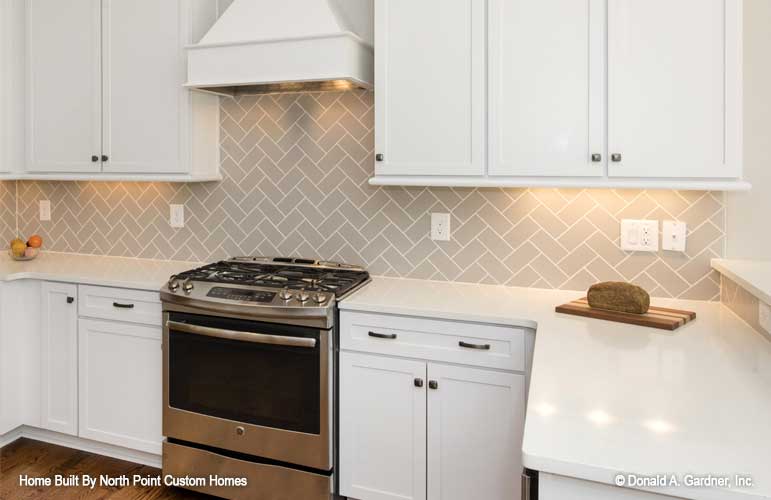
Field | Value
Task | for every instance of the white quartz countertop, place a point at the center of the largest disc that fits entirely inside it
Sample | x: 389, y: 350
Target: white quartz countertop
x: 607, y: 398
x: 753, y: 275
x: 143, y: 274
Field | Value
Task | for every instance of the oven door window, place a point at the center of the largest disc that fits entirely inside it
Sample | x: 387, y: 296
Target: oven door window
x: 269, y: 385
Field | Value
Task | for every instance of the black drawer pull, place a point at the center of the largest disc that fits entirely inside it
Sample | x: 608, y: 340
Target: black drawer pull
x: 387, y: 336
x: 481, y: 347
x: 122, y: 306
x: 70, y: 300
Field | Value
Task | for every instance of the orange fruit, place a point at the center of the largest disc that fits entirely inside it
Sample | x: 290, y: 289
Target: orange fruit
x: 35, y: 241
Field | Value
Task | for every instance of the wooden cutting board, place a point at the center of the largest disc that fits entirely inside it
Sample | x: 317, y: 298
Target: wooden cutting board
x: 656, y: 317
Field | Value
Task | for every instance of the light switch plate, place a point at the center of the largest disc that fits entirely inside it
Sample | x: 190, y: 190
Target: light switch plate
x: 764, y: 317
x: 177, y: 216
x: 45, y: 210
x: 674, y: 235
x: 640, y: 235
x: 440, y: 227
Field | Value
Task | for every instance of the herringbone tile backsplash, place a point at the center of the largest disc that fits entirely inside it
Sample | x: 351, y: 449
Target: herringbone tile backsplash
x: 296, y: 168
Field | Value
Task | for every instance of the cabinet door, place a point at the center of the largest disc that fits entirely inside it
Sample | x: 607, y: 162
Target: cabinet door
x: 59, y: 358
x: 547, y: 87
x: 120, y: 384
x: 144, y: 70
x: 674, y: 88
x: 475, y: 426
x: 382, y: 428
x: 429, y: 75
x: 64, y: 104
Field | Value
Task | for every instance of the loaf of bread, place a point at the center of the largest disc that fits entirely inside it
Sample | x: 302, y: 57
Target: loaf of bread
x: 622, y: 297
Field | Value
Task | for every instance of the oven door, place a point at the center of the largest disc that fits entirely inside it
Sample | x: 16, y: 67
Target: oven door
x: 261, y: 389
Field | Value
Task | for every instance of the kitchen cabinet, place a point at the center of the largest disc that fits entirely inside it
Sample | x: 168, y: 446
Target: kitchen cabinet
x: 11, y: 85
x: 428, y: 428
x: 65, y: 89
x: 59, y: 358
x: 106, y: 95
x: 590, y: 94
x: 546, y: 88
x: 119, y: 384
x: 475, y: 424
x: 383, y: 428
x: 429, y: 75
x: 675, y: 78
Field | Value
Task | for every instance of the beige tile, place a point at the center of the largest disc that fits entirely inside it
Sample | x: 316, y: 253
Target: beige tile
x: 296, y: 171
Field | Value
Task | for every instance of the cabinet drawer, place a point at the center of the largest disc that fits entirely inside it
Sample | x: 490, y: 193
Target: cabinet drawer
x: 449, y: 341
x: 119, y: 304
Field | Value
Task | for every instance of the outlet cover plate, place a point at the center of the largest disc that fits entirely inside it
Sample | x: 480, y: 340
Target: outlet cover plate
x: 45, y: 210
x: 764, y: 316
x: 640, y: 235
x: 177, y: 216
x: 674, y: 235
x: 440, y: 227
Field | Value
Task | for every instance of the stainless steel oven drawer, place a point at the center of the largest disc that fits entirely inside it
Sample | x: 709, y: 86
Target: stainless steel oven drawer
x: 264, y: 482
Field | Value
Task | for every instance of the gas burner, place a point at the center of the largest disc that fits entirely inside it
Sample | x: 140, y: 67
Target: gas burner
x: 280, y: 272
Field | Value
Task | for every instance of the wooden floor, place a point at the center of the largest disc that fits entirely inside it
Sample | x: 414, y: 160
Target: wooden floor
x: 36, y: 459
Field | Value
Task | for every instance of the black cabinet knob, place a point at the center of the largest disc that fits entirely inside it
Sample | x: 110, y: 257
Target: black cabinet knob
x: 105, y: 158
x: 379, y: 157
x: 433, y: 384
x: 596, y: 158
x: 94, y: 158
x: 70, y: 300
x: 418, y: 382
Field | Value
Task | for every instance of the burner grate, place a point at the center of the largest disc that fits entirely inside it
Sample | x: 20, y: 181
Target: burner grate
x: 312, y: 279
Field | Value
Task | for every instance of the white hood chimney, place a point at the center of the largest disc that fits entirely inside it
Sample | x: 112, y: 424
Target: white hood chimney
x: 264, y: 46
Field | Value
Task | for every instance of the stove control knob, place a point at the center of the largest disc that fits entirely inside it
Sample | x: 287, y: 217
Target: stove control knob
x: 285, y: 294
x: 303, y: 296
x: 319, y: 298
x: 173, y: 284
x: 187, y: 286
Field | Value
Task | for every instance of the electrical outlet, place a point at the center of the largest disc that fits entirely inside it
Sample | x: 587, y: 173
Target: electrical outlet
x: 674, y: 237
x: 640, y: 235
x: 45, y: 210
x: 764, y: 316
x: 177, y: 216
x: 440, y: 227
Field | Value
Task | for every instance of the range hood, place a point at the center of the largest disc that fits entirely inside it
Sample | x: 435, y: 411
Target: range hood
x: 267, y: 46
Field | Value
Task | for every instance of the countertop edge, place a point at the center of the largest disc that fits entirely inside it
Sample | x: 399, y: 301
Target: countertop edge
x: 726, y: 268
x: 602, y: 475
x: 439, y: 315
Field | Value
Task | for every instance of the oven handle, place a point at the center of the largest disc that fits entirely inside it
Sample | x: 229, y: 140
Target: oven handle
x: 257, y: 338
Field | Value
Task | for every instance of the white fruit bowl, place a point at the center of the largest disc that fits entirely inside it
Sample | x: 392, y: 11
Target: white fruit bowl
x: 35, y: 252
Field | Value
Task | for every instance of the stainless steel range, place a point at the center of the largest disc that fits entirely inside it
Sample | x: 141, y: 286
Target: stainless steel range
x: 249, y: 374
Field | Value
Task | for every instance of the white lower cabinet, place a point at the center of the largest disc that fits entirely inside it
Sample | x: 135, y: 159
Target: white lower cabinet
x: 120, y: 384
x: 475, y: 425
x: 413, y: 429
x: 383, y: 428
x: 59, y: 358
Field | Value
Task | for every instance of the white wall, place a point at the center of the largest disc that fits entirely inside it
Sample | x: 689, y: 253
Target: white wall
x: 748, y: 215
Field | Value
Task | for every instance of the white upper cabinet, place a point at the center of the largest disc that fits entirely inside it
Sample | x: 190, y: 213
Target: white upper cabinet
x: 675, y: 88
x: 589, y: 93
x: 106, y: 95
x: 429, y: 79
x: 145, y: 102
x: 547, y: 84
x: 64, y: 95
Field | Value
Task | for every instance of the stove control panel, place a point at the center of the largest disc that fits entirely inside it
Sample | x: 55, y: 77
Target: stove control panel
x: 241, y: 294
